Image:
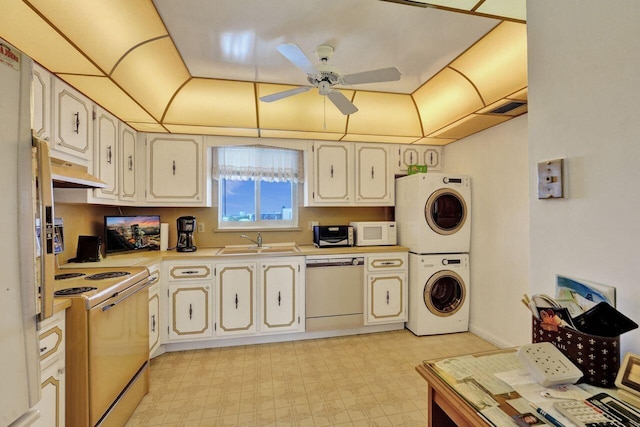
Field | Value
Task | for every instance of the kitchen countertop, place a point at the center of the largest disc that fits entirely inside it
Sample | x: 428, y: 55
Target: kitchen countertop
x: 146, y: 259
x: 60, y: 304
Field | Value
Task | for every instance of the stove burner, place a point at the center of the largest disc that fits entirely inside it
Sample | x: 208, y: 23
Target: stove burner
x: 107, y: 275
x: 68, y: 276
x: 73, y: 291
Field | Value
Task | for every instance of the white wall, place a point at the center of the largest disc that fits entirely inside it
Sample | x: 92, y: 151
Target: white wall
x: 584, y: 106
x: 497, y: 161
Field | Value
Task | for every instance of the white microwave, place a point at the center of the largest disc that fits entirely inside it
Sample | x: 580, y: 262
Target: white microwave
x: 374, y: 233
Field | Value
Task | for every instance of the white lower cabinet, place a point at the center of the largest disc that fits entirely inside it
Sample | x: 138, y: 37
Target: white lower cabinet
x: 190, y: 311
x: 189, y: 300
x: 261, y: 296
x: 386, y: 288
x: 281, y: 296
x: 154, y: 318
x: 235, y: 298
x: 155, y: 304
x: 52, y: 401
x: 52, y: 372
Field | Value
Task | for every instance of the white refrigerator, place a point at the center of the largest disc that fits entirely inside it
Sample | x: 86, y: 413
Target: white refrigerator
x: 19, y: 354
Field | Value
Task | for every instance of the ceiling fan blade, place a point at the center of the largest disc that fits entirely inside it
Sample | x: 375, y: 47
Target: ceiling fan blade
x: 284, y: 94
x: 339, y: 100
x: 373, y: 76
x: 293, y: 53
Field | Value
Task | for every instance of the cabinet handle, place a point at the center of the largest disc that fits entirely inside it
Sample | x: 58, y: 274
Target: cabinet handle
x: 331, y: 171
x: 153, y: 323
x: 190, y: 311
x: 77, y: 123
x: 411, y: 158
x: 236, y: 301
x: 130, y: 163
x: 109, y: 155
x: 372, y: 172
x: 190, y: 272
x: 61, y: 371
x: 43, y: 349
x: 174, y: 167
x: 387, y: 297
x: 279, y: 299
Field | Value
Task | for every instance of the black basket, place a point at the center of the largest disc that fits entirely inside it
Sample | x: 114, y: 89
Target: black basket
x: 597, y: 357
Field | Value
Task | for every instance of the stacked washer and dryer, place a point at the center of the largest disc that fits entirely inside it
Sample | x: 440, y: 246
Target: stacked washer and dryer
x: 433, y: 219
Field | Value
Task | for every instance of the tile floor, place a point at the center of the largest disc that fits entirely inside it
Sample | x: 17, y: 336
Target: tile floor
x: 360, y: 380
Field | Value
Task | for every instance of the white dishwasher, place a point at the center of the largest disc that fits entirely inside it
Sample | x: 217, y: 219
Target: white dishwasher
x: 334, y: 292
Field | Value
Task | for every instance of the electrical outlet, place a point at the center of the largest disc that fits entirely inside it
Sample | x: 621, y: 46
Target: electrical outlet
x: 548, y: 365
x: 312, y: 224
x: 201, y: 227
x: 550, y: 179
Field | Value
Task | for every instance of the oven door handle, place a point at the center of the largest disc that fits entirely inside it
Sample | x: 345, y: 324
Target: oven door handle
x: 140, y: 287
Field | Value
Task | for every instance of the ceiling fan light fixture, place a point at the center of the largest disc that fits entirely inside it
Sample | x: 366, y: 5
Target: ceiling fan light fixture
x: 325, y: 75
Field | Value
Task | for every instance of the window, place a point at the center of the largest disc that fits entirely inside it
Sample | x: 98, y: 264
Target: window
x: 257, y: 187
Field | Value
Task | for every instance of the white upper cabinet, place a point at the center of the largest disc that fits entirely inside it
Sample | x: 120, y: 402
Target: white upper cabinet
x: 105, y: 161
x: 347, y: 174
x: 330, y: 177
x: 405, y: 155
x: 41, y: 98
x: 374, y: 179
x: 72, y: 123
x: 177, y: 171
x: 127, y: 177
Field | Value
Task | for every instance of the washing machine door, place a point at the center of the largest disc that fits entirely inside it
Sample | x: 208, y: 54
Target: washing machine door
x: 445, y: 211
x: 444, y: 293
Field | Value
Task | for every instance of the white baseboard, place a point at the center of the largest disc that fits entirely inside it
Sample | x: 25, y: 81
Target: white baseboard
x: 264, y: 339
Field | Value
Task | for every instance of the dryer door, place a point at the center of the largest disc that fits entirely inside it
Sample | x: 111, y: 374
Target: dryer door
x: 444, y: 293
x: 445, y: 211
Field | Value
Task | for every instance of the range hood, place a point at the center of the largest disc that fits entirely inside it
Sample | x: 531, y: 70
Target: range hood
x: 65, y: 174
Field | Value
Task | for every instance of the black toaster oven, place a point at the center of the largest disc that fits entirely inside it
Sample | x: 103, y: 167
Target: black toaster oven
x: 332, y: 236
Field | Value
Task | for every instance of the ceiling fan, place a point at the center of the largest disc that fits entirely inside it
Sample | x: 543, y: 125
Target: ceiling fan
x: 324, y: 76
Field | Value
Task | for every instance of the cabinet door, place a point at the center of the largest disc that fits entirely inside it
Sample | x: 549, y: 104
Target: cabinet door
x: 235, y: 296
x: 52, y: 399
x: 127, y: 164
x: 374, y: 180
x: 106, y: 154
x: 432, y: 157
x: 154, y: 318
x: 41, y: 89
x: 386, y: 298
x: 279, y: 296
x: 72, y: 122
x: 332, y: 174
x: 175, y: 169
x: 406, y: 155
x: 189, y: 311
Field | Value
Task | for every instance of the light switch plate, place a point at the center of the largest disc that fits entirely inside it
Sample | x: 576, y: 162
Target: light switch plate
x: 550, y: 182
x: 548, y: 365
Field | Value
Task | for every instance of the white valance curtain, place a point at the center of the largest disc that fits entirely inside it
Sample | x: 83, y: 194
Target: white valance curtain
x: 258, y: 163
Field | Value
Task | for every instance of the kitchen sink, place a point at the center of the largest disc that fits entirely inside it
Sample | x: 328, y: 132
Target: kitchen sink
x: 278, y: 249
x: 237, y: 251
x: 274, y: 248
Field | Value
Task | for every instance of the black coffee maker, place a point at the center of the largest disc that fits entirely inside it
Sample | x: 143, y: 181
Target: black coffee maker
x: 186, y: 227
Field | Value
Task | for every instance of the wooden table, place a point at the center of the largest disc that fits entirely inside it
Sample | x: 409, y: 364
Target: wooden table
x: 447, y: 408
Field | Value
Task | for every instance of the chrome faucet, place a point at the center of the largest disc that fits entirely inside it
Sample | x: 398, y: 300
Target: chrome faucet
x: 257, y: 242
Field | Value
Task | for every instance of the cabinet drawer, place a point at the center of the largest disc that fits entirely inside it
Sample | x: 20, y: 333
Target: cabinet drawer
x: 51, y: 338
x: 394, y: 261
x: 195, y: 271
